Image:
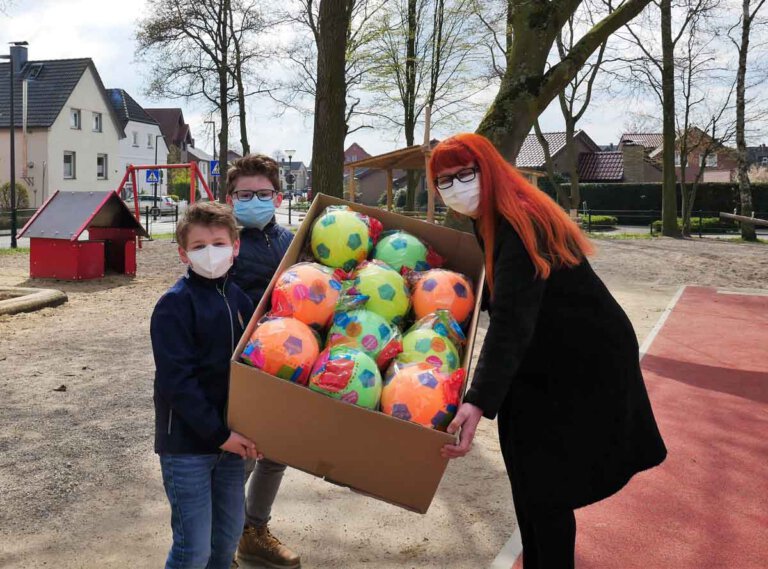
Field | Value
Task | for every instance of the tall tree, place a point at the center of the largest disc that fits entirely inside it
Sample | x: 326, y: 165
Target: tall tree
x: 330, y: 127
x: 748, y: 12
x: 530, y: 83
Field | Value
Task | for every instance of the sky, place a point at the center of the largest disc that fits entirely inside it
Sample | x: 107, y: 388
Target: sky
x: 104, y: 30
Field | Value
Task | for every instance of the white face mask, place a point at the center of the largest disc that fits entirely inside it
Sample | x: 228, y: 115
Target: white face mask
x: 463, y: 197
x: 211, y: 262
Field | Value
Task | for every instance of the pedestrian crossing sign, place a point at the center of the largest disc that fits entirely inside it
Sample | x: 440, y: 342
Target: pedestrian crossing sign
x: 215, y: 168
x: 153, y: 176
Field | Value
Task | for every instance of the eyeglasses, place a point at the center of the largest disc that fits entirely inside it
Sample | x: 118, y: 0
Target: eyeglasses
x: 464, y: 175
x: 247, y: 195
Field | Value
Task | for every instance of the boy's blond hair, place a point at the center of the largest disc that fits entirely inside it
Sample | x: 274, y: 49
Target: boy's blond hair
x: 207, y: 214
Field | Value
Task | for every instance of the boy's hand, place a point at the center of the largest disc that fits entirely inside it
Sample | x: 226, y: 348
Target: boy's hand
x: 467, y: 418
x: 238, y: 444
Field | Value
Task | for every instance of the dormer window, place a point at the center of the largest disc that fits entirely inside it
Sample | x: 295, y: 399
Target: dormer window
x: 96, y: 122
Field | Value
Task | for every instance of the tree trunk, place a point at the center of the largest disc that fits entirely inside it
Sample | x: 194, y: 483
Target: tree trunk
x: 410, y: 99
x: 668, y: 197
x: 223, y: 99
x: 330, y: 126
x: 241, y: 106
x: 745, y: 191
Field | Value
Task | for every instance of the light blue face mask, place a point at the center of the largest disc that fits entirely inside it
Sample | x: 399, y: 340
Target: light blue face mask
x: 254, y: 213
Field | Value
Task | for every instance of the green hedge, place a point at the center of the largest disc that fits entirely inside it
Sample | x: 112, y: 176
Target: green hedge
x: 711, y: 224
x: 710, y: 197
x: 600, y: 220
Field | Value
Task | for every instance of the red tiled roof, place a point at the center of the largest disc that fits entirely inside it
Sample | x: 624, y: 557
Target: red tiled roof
x: 531, y: 153
x: 601, y: 166
x: 648, y: 140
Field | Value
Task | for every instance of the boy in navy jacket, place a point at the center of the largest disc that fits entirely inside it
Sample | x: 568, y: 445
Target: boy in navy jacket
x: 253, y: 184
x: 195, y: 327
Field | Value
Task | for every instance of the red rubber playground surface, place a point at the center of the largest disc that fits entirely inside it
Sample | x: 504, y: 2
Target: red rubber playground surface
x: 706, y: 506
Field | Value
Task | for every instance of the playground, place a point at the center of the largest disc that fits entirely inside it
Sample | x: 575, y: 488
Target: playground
x: 80, y: 485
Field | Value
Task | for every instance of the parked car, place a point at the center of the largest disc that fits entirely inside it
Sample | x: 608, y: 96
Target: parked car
x: 160, y: 205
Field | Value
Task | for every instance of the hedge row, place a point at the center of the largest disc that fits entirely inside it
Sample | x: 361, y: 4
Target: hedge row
x: 710, y: 197
x: 711, y: 224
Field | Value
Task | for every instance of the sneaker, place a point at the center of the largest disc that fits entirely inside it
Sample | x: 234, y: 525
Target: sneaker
x: 258, y: 545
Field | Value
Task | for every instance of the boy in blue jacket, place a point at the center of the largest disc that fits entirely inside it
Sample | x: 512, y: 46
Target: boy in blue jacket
x: 253, y: 184
x: 195, y: 327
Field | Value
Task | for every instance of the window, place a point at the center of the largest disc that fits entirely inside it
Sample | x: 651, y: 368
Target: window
x: 74, y: 118
x: 101, y: 166
x: 69, y: 165
x: 677, y: 159
x: 135, y: 137
x: 149, y: 140
x: 711, y: 160
x: 764, y: 161
x: 96, y: 122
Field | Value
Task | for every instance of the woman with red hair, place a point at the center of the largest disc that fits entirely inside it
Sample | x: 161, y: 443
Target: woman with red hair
x: 560, y: 362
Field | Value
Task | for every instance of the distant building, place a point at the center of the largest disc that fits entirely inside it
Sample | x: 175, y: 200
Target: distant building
x: 721, y: 162
x: 143, y: 142
x: 175, y: 131
x: 73, y: 133
x: 299, y: 171
x: 757, y: 155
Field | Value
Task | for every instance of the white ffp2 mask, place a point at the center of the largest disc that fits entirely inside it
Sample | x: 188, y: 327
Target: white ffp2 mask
x: 463, y: 197
x: 211, y: 262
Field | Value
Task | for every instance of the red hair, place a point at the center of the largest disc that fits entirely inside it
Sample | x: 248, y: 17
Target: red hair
x: 549, y: 235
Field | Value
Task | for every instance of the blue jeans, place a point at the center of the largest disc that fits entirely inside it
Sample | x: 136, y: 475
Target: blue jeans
x: 207, y: 508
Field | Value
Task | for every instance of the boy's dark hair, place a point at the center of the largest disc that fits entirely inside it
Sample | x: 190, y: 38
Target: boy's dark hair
x: 206, y: 214
x: 253, y: 165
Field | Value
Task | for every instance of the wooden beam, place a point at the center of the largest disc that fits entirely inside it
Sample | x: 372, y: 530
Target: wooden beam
x: 389, y: 190
x: 352, y: 185
x: 745, y: 219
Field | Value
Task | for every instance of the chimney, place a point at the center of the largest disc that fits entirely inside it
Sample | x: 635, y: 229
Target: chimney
x: 18, y: 57
x: 633, y: 156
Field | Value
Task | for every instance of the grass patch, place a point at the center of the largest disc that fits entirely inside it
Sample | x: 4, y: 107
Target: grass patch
x: 163, y: 235
x: 17, y: 251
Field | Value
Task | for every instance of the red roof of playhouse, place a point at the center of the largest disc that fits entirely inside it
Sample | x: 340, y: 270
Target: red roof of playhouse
x: 67, y: 214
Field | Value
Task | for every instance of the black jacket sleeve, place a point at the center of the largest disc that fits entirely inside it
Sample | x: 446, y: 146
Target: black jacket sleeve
x: 173, y: 346
x: 514, y: 311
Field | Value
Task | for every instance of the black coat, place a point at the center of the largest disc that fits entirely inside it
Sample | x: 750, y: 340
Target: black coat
x: 260, y: 254
x: 560, y: 366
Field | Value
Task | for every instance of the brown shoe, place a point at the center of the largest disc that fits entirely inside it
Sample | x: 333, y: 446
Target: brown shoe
x: 258, y: 545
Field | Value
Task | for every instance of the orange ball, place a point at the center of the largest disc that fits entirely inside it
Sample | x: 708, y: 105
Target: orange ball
x: 422, y: 394
x: 284, y: 347
x: 308, y: 292
x: 440, y: 289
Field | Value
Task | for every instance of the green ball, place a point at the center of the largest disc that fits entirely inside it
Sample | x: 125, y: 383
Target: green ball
x: 363, y: 330
x: 349, y: 375
x: 401, y: 249
x: 386, y: 290
x: 424, y: 345
x: 341, y: 238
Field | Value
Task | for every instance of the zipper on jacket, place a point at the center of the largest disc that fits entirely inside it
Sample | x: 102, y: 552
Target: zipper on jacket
x: 229, y: 312
x: 269, y: 243
x: 170, y: 418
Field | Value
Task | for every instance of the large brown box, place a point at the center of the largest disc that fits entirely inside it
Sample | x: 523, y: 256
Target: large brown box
x: 375, y: 454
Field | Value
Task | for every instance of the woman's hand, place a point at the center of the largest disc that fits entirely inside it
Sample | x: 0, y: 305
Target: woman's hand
x: 467, y: 417
x: 238, y: 444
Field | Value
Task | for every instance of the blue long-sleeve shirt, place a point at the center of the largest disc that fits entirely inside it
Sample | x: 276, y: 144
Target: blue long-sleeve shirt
x: 195, y: 327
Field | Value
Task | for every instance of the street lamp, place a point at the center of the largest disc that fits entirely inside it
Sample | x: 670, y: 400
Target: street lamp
x: 289, y: 179
x: 215, y: 179
x: 9, y: 57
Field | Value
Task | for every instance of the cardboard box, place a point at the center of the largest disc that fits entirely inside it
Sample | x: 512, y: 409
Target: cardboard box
x: 372, y: 453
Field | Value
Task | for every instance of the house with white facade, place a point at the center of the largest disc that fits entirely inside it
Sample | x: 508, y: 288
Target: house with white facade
x: 72, y: 132
x: 143, y: 143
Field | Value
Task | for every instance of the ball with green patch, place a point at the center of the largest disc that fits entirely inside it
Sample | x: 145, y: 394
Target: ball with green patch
x: 387, y: 293
x: 347, y: 374
x: 424, y: 345
x: 341, y: 238
x: 400, y: 249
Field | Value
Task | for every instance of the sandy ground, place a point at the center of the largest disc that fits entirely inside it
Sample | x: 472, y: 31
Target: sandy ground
x: 80, y: 485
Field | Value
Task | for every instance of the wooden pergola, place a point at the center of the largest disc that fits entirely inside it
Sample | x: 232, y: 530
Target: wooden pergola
x: 411, y: 158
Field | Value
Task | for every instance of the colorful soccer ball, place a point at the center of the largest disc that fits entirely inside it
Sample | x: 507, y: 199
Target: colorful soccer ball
x: 308, y: 292
x: 441, y: 289
x: 401, y: 249
x: 367, y: 331
x: 347, y: 374
x: 341, y: 238
x: 428, y: 346
x: 386, y: 290
x: 283, y: 347
x: 422, y: 394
